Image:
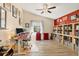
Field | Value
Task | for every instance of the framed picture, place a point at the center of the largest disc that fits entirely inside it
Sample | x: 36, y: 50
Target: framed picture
x: 73, y: 17
x: 14, y: 11
x: 27, y: 25
x: 7, y: 6
x: 19, y: 17
x: 2, y: 18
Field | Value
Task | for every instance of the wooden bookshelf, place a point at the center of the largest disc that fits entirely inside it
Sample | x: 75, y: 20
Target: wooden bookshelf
x: 70, y: 41
x: 69, y: 30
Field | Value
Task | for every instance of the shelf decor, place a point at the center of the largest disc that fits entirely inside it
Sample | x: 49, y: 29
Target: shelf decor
x: 65, y: 27
x: 2, y: 18
x: 77, y: 16
x: 14, y: 11
x: 7, y: 6
x: 77, y: 42
x: 70, y: 28
x: 77, y: 27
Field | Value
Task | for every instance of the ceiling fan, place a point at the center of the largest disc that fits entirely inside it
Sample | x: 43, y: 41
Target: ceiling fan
x: 46, y: 8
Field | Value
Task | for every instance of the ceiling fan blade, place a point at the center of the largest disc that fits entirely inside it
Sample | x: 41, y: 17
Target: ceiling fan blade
x: 49, y: 11
x: 39, y: 9
x: 52, y: 7
x: 42, y: 12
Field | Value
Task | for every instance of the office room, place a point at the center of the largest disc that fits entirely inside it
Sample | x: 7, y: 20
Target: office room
x: 39, y: 28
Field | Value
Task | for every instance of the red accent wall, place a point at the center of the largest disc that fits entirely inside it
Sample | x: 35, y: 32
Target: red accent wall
x: 66, y: 19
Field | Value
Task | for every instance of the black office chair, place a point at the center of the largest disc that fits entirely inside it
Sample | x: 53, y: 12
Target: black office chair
x: 10, y: 52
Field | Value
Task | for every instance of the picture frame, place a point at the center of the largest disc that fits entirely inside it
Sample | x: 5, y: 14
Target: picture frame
x: 19, y: 16
x: 27, y: 25
x: 73, y: 17
x: 7, y: 6
x: 2, y: 18
x: 14, y: 11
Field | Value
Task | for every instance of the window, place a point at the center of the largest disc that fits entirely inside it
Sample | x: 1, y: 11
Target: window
x: 36, y: 28
x: 2, y: 18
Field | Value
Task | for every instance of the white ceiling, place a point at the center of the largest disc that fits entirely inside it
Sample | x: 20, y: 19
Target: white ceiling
x: 61, y: 9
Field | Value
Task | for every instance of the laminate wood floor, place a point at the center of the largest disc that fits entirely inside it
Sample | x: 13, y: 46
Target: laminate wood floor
x: 49, y: 48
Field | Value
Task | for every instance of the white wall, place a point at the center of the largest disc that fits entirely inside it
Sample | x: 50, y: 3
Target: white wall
x: 47, y: 23
x: 28, y: 17
x: 11, y: 24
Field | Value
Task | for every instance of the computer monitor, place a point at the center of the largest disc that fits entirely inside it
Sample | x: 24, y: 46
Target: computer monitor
x: 19, y: 30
